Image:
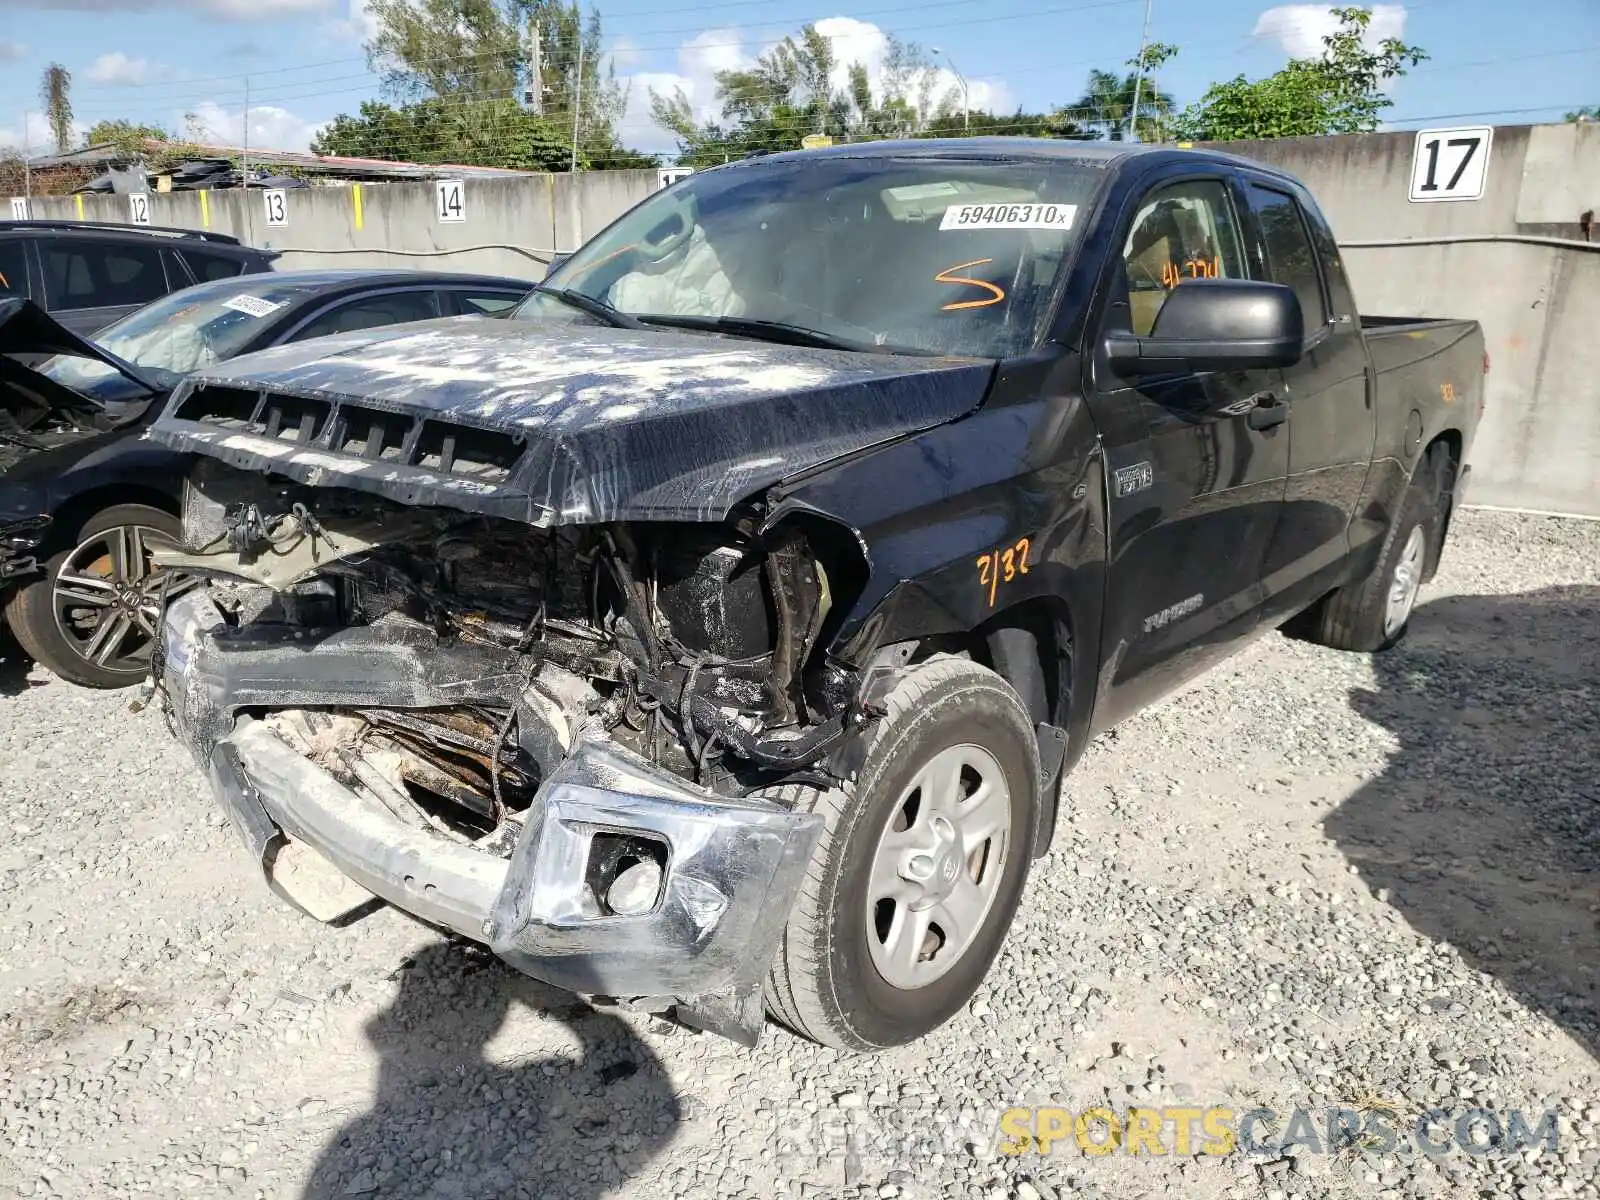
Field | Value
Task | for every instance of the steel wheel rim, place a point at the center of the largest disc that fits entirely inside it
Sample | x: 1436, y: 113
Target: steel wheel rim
x: 106, y: 598
x: 937, y: 867
x: 1406, y: 584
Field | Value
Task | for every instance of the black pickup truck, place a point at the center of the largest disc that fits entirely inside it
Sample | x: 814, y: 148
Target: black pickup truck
x: 713, y: 634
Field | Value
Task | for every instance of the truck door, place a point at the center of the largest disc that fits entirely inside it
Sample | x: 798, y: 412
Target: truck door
x: 1330, y: 399
x: 1194, y: 488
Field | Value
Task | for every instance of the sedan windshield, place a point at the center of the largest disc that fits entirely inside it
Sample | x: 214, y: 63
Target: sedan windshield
x: 179, y: 333
x: 923, y: 255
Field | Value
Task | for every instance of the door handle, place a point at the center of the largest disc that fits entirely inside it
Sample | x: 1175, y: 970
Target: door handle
x: 1269, y: 411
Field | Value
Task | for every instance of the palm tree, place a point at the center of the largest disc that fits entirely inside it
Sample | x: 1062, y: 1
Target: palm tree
x: 1107, y: 102
x: 53, y: 88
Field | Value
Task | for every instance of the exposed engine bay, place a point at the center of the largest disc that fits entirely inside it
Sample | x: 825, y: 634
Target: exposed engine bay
x: 692, y: 645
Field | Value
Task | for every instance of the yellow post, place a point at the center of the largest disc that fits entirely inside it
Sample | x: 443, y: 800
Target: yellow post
x: 205, y: 209
x: 79, y: 198
x: 355, y: 199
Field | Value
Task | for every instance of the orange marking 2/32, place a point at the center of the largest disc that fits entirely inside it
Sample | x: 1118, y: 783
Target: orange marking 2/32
x: 947, y: 276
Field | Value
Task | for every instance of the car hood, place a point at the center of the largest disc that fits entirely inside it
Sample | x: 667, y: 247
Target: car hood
x: 37, y: 414
x: 559, y: 423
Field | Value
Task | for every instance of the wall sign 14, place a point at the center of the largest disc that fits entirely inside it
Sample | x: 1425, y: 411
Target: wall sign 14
x: 1450, y: 164
x: 450, y: 201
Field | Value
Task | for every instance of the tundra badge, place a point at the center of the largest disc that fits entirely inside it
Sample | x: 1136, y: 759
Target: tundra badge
x: 1133, y: 479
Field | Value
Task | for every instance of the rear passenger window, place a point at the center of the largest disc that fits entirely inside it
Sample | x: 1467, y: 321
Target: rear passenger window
x: 207, y: 267
x: 493, y: 302
x: 13, y: 269
x: 370, y: 312
x: 97, y: 276
x: 1186, y: 231
x: 1290, y: 259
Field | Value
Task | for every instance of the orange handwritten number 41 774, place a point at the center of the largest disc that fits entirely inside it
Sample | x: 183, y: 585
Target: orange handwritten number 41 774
x: 1002, y: 566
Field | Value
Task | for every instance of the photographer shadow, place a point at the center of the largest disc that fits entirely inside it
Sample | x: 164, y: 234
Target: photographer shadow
x: 1484, y: 829
x: 447, y: 1121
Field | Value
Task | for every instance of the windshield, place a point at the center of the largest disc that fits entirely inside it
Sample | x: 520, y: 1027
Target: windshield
x: 952, y: 256
x: 178, y: 333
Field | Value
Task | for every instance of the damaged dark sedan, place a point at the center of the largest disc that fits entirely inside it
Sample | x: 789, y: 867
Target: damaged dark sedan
x: 711, y: 635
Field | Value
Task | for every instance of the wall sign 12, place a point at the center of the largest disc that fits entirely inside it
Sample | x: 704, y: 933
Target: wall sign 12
x: 1450, y: 164
x: 139, y: 208
x: 450, y: 201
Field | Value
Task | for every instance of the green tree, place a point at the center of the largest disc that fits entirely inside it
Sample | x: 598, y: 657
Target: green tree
x: 55, y: 87
x: 1341, y: 92
x: 1108, y: 100
x: 125, y: 135
x: 453, y: 67
x: 488, y: 133
x: 1589, y: 112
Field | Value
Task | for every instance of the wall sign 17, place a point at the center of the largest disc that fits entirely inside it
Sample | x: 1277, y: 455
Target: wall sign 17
x: 1450, y: 164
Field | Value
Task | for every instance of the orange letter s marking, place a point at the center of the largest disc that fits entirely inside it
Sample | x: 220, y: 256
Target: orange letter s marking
x: 947, y: 276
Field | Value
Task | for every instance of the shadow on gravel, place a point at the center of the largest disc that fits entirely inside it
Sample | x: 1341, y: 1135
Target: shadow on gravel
x: 1484, y: 829
x: 14, y: 666
x: 448, y: 1122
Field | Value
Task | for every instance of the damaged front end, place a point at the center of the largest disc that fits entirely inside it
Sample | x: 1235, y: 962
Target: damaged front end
x: 565, y: 743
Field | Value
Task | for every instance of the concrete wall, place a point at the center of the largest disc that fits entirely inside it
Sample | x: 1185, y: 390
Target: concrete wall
x: 1539, y: 444
x: 512, y: 225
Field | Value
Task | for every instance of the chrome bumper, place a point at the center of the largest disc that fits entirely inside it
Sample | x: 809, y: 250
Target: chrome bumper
x: 733, y: 866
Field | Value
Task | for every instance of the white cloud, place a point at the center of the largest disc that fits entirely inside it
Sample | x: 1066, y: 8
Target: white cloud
x: 118, y: 70
x: 31, y: 134
x: 357, y: 26
x: 271, y: 128
x: 10, y: 51
x: 1300, y: 28
x: 227, y: 10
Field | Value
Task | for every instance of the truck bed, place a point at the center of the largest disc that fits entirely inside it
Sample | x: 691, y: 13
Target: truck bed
x: 1428, y: 358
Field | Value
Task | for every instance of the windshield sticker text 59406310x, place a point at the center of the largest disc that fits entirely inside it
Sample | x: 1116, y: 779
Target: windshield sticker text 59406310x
x: 1009, y: 216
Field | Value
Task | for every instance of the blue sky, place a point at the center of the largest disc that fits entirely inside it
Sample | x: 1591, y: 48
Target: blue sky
x: 154, y: 60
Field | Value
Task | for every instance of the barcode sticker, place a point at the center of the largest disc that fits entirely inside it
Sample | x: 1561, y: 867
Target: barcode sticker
x: 253, y: 306
x: 1009, y: 216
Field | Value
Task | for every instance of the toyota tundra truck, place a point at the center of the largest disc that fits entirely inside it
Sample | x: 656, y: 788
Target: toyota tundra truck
x: 712, y: 636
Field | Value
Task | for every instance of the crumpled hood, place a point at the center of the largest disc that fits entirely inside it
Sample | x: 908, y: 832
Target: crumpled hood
x: 555, y: 422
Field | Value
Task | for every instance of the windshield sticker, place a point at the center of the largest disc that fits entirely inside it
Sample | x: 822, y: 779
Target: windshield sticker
x: 252, y: 306
x: 996, y: 294
x: 1009, y: 216
x: 924, y: 191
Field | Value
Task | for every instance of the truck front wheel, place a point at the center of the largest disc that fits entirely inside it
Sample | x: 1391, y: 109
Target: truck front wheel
x: 920, y: 866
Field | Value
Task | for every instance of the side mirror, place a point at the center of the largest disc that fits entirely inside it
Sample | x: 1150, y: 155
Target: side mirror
x: 1215, y: 325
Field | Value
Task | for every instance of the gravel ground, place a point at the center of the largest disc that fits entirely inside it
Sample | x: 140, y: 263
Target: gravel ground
x: 1313, y: 879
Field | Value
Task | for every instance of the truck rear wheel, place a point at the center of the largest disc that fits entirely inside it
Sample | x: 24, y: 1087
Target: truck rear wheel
x: 919, y: 868
x: 1372, y: 614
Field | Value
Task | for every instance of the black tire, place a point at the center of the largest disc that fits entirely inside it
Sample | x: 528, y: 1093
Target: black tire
x: 824, y: 983
x: 1356, y: 616
x: 30, y: 611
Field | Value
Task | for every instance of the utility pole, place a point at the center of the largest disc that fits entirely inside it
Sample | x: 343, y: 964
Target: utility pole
x: 1138, y: 77
x: 577, y: 95
x: 966, y: 99
x: 244, y: 159
x: 27, y: 161
x: 535, y: 95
